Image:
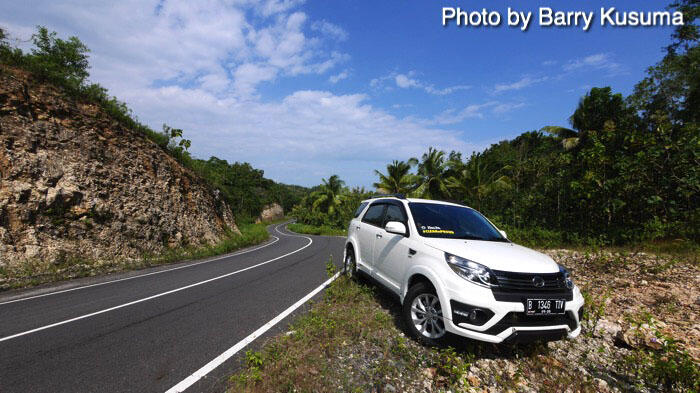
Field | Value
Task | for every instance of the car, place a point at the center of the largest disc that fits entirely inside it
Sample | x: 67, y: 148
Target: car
x: 456, y: 273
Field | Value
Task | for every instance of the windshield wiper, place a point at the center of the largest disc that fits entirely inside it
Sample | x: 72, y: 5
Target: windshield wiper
x: 493, y: 239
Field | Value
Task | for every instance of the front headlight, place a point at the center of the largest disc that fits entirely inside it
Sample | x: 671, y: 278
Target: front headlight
x: 567, y: 277
x: 471, y: 271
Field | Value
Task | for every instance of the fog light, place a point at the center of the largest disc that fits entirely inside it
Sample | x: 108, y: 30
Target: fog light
x: 473, y: 315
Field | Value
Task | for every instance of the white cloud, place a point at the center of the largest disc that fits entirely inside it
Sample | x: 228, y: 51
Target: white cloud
x: 408, y: 81
x: 330, y: 30
x: 339, y: 77
x: 507, y: 107
x: 473, y: 111
x: 310, y: 129
x: 271, y: 7
x: 199, y: 66
x: 517, y: 85
x: 596, y: 61
x: 249, y: 75
x: 405, y: 82
x: 452, y: 116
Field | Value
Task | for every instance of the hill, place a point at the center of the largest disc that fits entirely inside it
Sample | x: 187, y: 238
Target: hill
x: 77, y: 184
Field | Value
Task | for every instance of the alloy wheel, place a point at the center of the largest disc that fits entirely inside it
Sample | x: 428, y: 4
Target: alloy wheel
x: 426, y: 314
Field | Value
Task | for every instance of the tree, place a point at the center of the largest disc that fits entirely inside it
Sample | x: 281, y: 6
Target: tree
x: 596, y: 110
x: 672, y: 87
x: 398, y: 179
x: 328, y: 198
x: 474, y: 181
x: 58, y: 60
x: 432, y: 175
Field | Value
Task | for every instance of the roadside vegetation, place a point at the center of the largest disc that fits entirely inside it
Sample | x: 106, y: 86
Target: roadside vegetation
x: 313, y: 230
x: 65, y: 64
x: 638, y: 335
x: 625, y: 171
x: 33, y: 273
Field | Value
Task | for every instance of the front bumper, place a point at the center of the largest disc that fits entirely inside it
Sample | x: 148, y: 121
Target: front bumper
x: 506, y: 320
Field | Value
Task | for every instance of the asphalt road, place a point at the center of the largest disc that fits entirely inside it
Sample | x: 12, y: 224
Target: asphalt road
x: 147, y: 331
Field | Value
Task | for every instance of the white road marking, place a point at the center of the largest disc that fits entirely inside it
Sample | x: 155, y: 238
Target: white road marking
x: 155, y: 296
x: 142, y: 275
x: 207, y: 368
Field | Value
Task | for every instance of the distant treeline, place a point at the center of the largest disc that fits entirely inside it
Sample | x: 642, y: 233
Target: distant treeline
x: 64, y: 63
x: 628, y: 168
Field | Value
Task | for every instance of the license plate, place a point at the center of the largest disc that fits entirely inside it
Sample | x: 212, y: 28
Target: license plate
x: 544, y: 306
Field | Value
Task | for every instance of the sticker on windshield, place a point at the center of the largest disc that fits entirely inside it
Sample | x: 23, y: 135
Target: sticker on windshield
x: 439, y: 231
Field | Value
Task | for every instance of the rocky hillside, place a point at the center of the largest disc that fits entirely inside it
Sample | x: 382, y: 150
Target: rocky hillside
x: 76, y: 185
x: 270, y: 213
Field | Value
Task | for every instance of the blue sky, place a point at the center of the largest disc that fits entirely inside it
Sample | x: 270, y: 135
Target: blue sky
x: 307, y: 89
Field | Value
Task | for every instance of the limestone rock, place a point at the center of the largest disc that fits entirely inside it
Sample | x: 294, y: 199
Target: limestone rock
x: 76, y: 183
x: 272, y: 212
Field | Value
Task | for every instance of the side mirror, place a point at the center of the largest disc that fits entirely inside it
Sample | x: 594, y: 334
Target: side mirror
x: 503, y: 233
x: 396, y: 227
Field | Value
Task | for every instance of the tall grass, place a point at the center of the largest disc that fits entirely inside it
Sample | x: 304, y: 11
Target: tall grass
x: 31, y: 272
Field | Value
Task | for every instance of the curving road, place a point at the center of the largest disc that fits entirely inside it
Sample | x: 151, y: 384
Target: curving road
x: 151, y: 330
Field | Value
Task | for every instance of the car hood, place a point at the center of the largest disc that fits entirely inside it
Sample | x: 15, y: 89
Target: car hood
x: 497, y: 255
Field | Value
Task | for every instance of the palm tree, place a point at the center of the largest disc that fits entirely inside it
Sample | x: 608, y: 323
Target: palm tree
x: 473, y: 180
x: 398, y: 180
x: 569, y: 138
x: 432, y: 173
x: 329, y: 195
x: 598, y: 110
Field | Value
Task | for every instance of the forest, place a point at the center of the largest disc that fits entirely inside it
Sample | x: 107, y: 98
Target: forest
x: 625, y: 170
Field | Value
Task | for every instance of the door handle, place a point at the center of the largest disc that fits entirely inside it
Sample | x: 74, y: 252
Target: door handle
x: 357, y: 227
x: 411, y: 252
x: 379, y: 235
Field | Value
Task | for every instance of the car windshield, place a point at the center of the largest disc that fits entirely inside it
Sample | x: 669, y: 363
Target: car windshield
x: 452, y: 222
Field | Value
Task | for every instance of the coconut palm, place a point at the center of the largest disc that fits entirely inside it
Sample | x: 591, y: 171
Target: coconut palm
x: 398, y: 179
x: 432, y: 174
x: 329, y: 195
x: 473, y: 180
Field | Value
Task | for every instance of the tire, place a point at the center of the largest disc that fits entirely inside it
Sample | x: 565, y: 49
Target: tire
x: 350, y: 265
x: 422, y: 314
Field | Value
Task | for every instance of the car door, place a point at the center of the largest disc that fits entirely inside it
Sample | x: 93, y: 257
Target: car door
x: 369, y: 229
x: 355, y: 223
x: 390, y: 254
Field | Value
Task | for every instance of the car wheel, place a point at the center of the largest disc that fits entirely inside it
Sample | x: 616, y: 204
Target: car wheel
x: 422, y: 314
x: 350, y: 267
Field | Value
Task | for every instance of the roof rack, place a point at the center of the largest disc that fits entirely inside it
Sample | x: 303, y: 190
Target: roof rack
x: 400, y: 196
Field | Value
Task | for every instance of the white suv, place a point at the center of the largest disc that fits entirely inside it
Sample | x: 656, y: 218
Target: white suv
x: 454, y: 271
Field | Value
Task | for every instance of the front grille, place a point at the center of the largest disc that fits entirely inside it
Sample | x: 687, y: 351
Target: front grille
x: 516, y: 287
x: 524, y: 281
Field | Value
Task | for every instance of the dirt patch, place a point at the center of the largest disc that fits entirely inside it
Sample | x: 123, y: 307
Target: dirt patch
x: 640, y: 333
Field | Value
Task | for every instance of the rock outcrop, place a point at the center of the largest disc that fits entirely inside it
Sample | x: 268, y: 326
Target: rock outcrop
x: 75, y: 184
x: 271, y: 212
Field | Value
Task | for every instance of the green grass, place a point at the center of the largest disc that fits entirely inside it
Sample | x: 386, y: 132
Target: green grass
x: 347, y: 342
x: 313, y: 230
x: 548, y: 239
x: 31, y: 273
x: 251, y: 234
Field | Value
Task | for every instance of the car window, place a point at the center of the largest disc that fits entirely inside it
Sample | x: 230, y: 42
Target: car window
x: 394, y: 213
x: 374, y: 214
x: 360, y: 209
x: 452, y: 222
